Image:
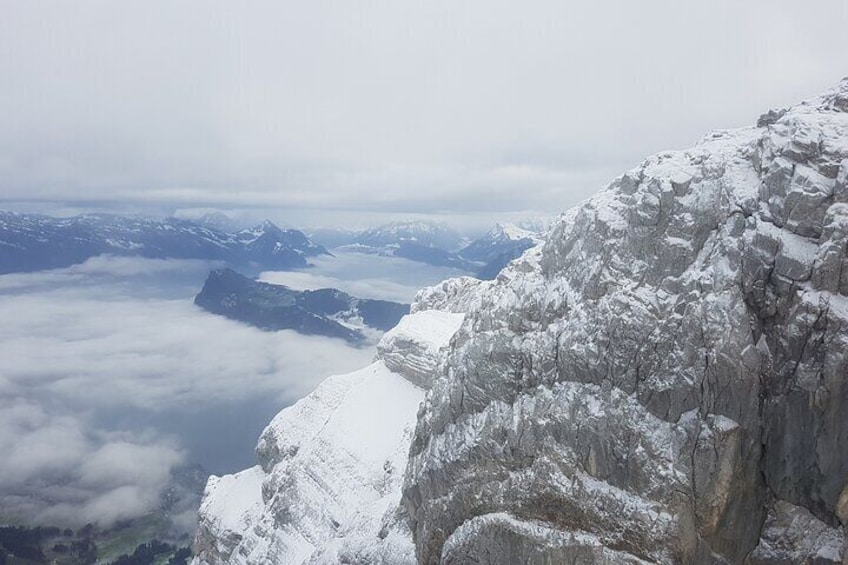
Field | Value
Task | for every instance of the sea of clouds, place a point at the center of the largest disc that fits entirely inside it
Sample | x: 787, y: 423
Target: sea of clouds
x: 112, y: 379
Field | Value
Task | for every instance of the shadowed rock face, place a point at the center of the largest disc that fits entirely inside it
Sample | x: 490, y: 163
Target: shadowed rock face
x: 666, y: 379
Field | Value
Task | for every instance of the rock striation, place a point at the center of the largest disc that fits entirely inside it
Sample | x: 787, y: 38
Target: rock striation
x: 664, y: 380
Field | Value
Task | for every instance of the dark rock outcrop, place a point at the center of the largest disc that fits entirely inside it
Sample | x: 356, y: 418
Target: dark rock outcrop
x: 328, y: 312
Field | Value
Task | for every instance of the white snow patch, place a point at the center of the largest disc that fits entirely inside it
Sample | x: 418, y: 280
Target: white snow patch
x: 234, y: 500
x: 340, y: 457
x: 431, y: 328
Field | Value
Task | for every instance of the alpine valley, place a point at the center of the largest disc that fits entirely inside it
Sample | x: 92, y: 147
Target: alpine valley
x: 664, y: 379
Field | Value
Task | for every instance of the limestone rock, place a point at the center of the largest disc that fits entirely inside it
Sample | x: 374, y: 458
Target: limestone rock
x: 665, y: 376
x: 664, y: 380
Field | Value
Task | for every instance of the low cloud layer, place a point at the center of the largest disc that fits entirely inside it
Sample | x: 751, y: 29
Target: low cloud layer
x: 111, y: 380
x: 364, y: 276
x: 59, y: 469
x: 99, y: 343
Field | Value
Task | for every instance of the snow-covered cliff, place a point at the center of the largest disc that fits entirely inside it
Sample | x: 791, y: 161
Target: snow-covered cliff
x: 664, y: 380
x: 327, y: 487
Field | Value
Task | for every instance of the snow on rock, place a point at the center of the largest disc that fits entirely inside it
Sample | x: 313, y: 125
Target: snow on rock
x: 413, y: 348
x: 492, y: 538
x: 515, y: 233
x: 327, y: 489
x: 664, y: 374
x: 662, y: 380
x: 453, y: 295
x: 232, y: 504
x: 792, y: 534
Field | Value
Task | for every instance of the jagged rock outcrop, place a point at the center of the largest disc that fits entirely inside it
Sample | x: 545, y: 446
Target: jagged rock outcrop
x: 415, y: 350
x: 664, y: 380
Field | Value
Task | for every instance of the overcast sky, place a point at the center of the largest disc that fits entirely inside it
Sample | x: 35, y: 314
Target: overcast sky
x: 383, y: 107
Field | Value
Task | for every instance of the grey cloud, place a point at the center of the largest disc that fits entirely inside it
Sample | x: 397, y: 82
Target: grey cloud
x: 117, y: 464
x: 378, y: 106
x: 58, y: 468
x: 37, y: 444
x: 105, y: 508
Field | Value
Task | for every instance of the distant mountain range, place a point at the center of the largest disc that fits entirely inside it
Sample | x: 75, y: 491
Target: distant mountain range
x: 428, y: 234
x: 327, y: 312
x: 436, y: 244
x: 497, y: 248
x: 425, y: 242
x: 33, y: 242
x: 415, y: 252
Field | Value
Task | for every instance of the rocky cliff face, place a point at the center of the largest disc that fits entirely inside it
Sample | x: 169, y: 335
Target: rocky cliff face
x: 327, y: 489
x: 665, y: 380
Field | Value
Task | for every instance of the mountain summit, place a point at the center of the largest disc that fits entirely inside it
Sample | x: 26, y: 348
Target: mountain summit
x: 662, y: 381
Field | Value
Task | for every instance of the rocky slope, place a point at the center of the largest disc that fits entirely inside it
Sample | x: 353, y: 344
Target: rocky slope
x: 664, y: 380
x: 328, y: 485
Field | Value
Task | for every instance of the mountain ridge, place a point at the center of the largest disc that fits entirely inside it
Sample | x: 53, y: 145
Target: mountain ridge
x: 327, y: 312
x: 437, y: 244
x: 30, y: 242
x: 661, y: 381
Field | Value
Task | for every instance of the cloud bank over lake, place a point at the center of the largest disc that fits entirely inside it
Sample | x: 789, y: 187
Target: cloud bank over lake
x: 112, y: 379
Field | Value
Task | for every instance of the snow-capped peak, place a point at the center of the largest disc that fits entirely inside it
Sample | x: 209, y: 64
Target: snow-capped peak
x: 513, y: 233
